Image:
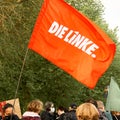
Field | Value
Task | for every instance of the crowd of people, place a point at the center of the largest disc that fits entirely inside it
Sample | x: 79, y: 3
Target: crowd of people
x: 36, y: 110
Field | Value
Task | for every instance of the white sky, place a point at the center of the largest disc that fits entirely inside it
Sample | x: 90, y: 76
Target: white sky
x: 112, y: 13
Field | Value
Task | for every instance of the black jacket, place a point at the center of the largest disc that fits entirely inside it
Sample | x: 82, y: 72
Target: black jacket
x: 71, y: 115
x: 11, y: 117
x: 45, y: 115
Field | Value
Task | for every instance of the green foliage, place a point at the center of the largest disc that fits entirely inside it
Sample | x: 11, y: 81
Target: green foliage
x: 40, y: 78
x: 17, y: 21
x: 93, y: 9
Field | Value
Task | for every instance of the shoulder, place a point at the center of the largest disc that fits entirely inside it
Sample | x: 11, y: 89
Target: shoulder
x: 30, y: 118
x: 13, y: 117
x: 102, y: 116
x: 30, y: 114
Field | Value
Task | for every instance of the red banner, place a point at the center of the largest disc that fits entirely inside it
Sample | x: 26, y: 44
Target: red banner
x: 71, y: 41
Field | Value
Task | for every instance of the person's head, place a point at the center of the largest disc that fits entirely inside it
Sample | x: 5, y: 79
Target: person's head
x: 8, y: 109
x: 73, y: 106
x: 100, y: 105
x: 87, y: 111
x: 49, y: 106
x: 60, y: 110
x: 35, y: 106
x: 94, y: 102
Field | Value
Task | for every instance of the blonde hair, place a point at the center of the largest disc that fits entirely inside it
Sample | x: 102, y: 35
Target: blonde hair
x: 101, y: 105
x: 87, y: 111
x: 35, y: 106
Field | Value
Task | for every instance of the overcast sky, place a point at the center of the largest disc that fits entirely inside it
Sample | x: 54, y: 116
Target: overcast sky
x: 112, y: 13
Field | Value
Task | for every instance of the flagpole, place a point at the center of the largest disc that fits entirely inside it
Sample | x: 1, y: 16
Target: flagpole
x: 20, y: 75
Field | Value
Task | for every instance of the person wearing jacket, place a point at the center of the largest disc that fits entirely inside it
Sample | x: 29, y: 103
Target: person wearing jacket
x: 33, y: 110
x: 49, y: 111
x: 8, y: 112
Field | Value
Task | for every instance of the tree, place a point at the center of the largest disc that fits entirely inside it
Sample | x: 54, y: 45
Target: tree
x: 41, y: 79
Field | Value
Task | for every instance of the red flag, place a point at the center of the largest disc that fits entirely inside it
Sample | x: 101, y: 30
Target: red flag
x: 71, y: 41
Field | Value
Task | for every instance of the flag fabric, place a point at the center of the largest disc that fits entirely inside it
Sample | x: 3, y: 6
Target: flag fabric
x: 113, y: 98
x: 71, y: 41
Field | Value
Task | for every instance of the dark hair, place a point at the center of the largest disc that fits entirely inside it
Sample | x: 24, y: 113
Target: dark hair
x: 7, y: 105
x: 48, y: 105
x: 73, y: 106
x: 61, y: 108
x: 94, y: 102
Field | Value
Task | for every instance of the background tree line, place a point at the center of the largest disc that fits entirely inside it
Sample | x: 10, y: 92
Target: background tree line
x: 41, y: 79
